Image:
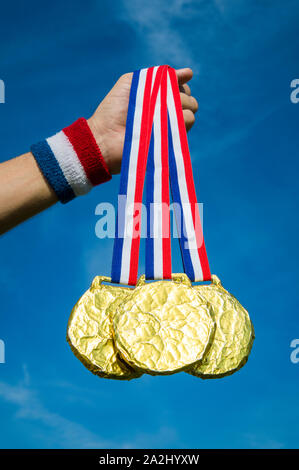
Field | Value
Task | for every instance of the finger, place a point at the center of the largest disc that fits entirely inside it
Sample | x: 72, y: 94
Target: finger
x: 184, y: 75
x: 189, y: 118
x: 185, y: 89
x: 189, y: 102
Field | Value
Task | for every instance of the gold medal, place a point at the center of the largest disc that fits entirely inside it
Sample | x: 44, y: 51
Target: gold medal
x: 234, y: 333
x: 89, y: 331
x: 163, y: 327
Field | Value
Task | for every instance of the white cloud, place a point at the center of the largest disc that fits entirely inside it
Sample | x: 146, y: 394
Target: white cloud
x: 56, y: 431
x: 163, y: 436
x: 61, y: 432
x: 154, y: 20
x: 261, y: 441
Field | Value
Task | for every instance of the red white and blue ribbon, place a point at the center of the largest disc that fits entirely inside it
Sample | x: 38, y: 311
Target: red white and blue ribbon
x: 156, y: 136
x: 143, y: 94
x: 195, y: 260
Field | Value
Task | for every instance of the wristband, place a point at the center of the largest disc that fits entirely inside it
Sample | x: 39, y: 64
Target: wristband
x: 71, y: 161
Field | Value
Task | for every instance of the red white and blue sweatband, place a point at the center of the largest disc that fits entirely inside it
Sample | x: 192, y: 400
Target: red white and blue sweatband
x: 71, y: 161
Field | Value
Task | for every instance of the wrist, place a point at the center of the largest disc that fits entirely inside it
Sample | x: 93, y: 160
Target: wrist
x: 100, y: 138
x: 72, y: 161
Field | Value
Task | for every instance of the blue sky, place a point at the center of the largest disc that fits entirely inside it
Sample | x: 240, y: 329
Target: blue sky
x: 58, y: 60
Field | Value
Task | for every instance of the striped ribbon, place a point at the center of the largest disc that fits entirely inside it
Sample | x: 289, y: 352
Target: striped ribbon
x: 155, y: 138
x: 194, y: 255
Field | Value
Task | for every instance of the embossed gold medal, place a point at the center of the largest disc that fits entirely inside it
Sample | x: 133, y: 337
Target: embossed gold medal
x: 163, y: 324
x: 90, y: 331
x: 233, y: 337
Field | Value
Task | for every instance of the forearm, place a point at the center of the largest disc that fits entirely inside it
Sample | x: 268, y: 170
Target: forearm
x: 59, y: 168
x: 23, y: 191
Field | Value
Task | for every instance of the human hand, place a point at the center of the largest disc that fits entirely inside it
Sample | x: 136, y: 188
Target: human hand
x: 108, y: 123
